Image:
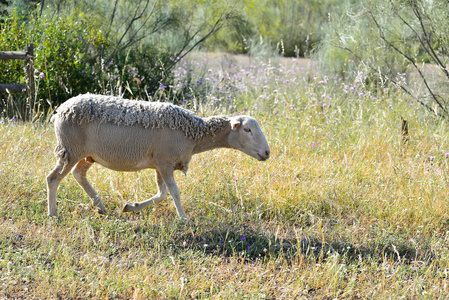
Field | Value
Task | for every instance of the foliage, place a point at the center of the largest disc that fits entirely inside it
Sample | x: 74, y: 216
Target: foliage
x: 85, y: 51
x: 388, y: 39
x: 289, y: 28
x: 65, y: 54
x: 293, y: 25
x: 23, y: 6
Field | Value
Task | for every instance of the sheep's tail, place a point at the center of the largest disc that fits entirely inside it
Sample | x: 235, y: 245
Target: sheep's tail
x: 53, y: 118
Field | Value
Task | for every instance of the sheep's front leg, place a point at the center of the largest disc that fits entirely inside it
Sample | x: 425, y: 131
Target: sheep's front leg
x: 161, y: 194
x: 169, y: 179
x: 79, y: 172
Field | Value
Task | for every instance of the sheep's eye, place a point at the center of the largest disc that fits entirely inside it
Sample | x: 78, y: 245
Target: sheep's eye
x: 247, y: 130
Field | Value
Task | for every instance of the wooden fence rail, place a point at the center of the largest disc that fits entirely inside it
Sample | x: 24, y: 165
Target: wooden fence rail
x: 27, y: 55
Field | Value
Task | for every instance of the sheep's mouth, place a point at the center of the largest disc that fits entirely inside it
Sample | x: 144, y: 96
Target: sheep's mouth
x: 262, y: 158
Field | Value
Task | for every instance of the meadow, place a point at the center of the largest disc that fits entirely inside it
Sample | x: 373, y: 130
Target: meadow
x: 344, y: 208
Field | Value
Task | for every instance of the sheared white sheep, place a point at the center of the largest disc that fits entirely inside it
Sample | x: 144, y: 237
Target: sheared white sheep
x: 127, y: 135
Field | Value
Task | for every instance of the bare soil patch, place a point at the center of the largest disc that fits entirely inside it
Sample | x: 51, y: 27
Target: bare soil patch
x: 225, y: 61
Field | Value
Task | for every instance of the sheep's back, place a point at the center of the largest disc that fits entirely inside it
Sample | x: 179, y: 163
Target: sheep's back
x: 115, y: 110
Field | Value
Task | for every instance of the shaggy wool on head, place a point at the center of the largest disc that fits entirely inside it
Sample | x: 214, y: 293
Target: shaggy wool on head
x: 109, y: 109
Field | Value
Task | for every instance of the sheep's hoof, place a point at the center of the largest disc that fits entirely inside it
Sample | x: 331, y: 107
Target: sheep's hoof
x: 52, y: 214
x: 102, y: 211
x: 128, y: 207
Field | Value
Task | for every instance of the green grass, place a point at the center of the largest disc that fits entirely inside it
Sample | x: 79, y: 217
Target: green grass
x: 358, y: 216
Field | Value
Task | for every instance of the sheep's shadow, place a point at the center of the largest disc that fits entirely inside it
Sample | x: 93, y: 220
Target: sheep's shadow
x: 235, y: 239
x: 256, y: 246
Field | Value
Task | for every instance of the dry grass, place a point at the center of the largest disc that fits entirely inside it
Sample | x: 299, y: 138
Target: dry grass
x: 342, y: 210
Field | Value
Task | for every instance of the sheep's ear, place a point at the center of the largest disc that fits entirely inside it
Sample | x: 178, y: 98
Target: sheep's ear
x: 235, y: 123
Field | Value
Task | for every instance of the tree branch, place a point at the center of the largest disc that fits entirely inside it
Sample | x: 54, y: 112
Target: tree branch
x: 429, y: 108
x: 182, y: 53
x: 137, y: 16
x: 112, y: 18
x: 427, y: 40
x: 382, y: 36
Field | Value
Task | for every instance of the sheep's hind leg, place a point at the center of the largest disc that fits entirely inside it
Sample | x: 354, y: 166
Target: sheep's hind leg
x: 161, y: 194
x: 61, y: 169
x: 79, y: 172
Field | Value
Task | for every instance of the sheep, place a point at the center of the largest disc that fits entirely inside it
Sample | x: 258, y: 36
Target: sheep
x: 131, y: 135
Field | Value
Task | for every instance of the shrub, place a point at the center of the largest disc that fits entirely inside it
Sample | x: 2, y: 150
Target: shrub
x: 387, y: 40
x: 68, y: 60
x: 65, y: 59
x: 119, y: 49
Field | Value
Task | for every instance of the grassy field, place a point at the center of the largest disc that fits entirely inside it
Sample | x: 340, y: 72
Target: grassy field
x: 343, y: 209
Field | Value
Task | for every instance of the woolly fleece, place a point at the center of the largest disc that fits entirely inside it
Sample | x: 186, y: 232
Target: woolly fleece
x: 109, y: 109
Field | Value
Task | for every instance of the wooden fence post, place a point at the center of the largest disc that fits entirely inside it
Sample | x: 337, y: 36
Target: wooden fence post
x: 27, y: 55
x: 404, y: 131
x: 30, y: 71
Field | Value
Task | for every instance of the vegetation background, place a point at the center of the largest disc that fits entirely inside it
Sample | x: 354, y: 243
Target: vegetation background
x: 130, y: 47
x: 351, y: 205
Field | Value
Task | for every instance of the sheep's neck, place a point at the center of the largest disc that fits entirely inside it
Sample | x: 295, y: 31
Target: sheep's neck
x: 209, y: 142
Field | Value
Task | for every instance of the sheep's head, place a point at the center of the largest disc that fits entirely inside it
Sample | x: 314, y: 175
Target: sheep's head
x: 247, y: 137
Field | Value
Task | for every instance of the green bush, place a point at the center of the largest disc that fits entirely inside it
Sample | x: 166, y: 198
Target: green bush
x: 137, y: 73
x: 65, y: 52
x: 291, y: 28
x: 13, y: 37
x: 68, y: 60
